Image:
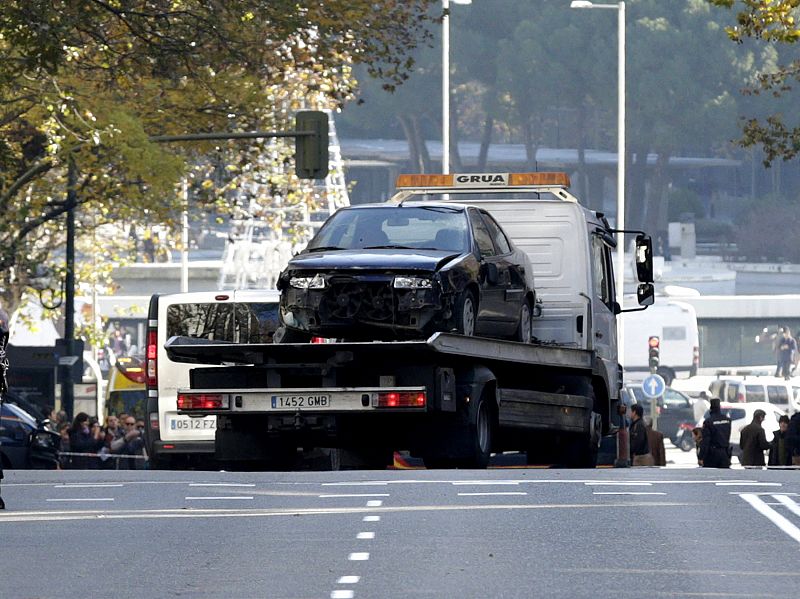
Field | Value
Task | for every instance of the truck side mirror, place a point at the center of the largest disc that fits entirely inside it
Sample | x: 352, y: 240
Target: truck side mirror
x: 644, y: 258
x: 646, y: 294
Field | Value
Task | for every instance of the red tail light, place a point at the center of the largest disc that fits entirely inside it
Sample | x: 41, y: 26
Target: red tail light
x: 151, y: 359
x: 154, y: 425
x: 401, y: 399
x: 202, y: 401
x: 696, y: 356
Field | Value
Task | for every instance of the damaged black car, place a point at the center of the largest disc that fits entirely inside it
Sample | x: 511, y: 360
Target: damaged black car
x: 389, y: 271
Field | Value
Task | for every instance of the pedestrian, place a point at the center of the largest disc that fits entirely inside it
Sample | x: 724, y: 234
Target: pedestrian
x: 753, y: 441
x: 779, y: 451
x: 655, y: 439
x: 640, y: 448
x: 4, y: 332
x: 64, y: 431
x: 715, y: 448
x: 85, y: 439
x: 697, y: 435
x: 793, y: 438
x: 131, y: 444
x: 787, y: 347
x: 113, y: 431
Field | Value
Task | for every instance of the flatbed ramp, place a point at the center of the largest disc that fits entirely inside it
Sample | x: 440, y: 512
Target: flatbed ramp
x: 195, y: 351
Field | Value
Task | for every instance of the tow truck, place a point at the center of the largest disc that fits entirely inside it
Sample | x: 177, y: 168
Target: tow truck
x: 450, y: 399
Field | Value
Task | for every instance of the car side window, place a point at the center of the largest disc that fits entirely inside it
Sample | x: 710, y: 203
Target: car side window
x: 482, y: 236
x: 673, y: 399
x: 777, y: 394
x: 500, y: 239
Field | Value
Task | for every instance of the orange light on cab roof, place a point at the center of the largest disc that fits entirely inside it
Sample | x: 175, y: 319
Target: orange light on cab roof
x: 519, y: 179
x: 425, y: 181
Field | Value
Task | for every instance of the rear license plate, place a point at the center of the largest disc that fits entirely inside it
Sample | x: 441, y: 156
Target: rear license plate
x: 192, y: 424
x: 301, y: 401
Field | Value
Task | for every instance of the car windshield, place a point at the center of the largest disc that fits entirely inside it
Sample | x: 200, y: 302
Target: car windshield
x: 15, y: 412
x: 419, y: 227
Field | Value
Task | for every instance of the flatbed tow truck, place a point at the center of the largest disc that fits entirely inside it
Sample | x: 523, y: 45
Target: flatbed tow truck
x: 451, y: 399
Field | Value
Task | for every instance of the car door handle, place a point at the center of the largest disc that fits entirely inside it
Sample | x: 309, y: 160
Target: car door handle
x: 598, y: 334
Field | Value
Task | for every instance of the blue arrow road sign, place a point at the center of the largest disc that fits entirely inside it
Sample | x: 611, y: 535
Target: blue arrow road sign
x: 653, y: 386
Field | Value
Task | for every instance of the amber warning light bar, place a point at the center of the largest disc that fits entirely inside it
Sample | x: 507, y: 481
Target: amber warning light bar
x: 484, y: 180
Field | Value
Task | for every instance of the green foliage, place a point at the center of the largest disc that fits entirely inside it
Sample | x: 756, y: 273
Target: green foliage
x: 769, y: 231
x: 682, y: 201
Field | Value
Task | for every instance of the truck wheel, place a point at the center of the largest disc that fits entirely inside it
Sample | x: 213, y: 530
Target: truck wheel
x: 466, y: 313
x: 582, y: 449
x: 480, y: 437
x: 524, y: 331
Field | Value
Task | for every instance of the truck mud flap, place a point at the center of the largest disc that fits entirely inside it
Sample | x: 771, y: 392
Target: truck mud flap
x: 537, y: 410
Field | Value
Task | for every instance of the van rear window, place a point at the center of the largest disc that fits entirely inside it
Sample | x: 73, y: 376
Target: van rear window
x: 229, y: 322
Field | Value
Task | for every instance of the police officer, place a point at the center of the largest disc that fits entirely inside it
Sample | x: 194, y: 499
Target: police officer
x: 3, y: 383
x: 715, y: 448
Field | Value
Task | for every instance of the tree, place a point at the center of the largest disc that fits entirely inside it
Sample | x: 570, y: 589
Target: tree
x: 773, y: 22
x: 88, y: 81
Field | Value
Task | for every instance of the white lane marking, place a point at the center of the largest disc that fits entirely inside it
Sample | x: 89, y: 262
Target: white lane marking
x: 221, y: 485
x: 748, y: 484
x: 157, y: 514
x: 348, y: 580
x: 365, y: 483
x: 496, y: 493
x: 83, y: 499
x: 759, y: 493
x: 777, y: 519
x: 358, y: 557
x: 484, y: 482
x: 239, y: 497
x: 627, y: 493
x: 87, y: 485
x: 342, y: 594
x: 354, y: 495
x: 371, y: 519
x: 365, y: 535
x: 785, y: 501
x: 618, y: 484
x: 374, y: 503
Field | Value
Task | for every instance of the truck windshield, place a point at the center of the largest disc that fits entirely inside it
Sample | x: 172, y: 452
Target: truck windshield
x: 420, y: 227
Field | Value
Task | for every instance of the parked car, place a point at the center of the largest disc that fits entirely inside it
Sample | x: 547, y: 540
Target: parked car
x: 741, y: 414
x: 395, y: 271
x: 25, y: 442
x: 675, y: 410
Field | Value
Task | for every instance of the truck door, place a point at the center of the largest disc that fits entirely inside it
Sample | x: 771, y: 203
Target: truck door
x: 603, y: 316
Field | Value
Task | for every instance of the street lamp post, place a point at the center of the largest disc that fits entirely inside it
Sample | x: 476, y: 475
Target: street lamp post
x: 446, y: 82
x: 620, y: 280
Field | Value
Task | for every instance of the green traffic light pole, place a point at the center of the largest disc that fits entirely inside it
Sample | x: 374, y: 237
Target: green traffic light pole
x: 311, y: 162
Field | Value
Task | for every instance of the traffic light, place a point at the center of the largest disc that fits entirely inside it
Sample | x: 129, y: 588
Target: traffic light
x: 311, y: 151
x: 654, y: 344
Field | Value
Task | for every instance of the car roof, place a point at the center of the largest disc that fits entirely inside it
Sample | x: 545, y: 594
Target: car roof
x: 409, y: 204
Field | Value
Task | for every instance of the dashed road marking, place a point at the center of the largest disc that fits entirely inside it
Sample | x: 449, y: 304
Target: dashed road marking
x: 354, y: 495
x: 618, y: 484
x: 747, y: 484
x: 478, y: 483
x: 342, y: 594
x: 87, y: 485
x: 786, y: 502
x: 66, y: 499
x: 776, y: 518
x: 233, y: 497
x: 221, y: 485
x: 375, y: 503
x: 492, y: 493
x: 362, y: 483
x: 371, y: 519
x: 365, y: 535
x: 358, y: 557
x: 628, y: 493
x: 348, y: 580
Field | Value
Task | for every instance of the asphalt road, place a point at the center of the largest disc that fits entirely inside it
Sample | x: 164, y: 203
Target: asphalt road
x: 402, y: 533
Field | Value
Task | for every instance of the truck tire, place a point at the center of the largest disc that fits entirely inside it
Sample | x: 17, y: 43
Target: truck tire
x: 582, y: 449
x: 524, y: 329
x: 466, y: 313
x: 479, y: 437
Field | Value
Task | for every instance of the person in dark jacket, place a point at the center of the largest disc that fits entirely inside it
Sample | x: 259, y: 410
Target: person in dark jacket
x: 85, y: 439
x: 640, y: 448
x: 656, y: 441
x: 715, y: 448
x: 753, y: 441
x: 793, y: 438
x: 779, y: 451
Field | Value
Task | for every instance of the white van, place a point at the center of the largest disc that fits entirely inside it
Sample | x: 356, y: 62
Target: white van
x: 779, y: 393
x: 234, y: 316
x: 675, y: 324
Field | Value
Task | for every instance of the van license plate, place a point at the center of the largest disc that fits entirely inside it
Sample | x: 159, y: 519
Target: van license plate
x: 193, y: 424
x: 301, y: 401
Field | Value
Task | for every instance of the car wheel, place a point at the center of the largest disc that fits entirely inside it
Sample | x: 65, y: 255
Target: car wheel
x: 686, y: 442
x: 466, y: 313
x: 524, y: 332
